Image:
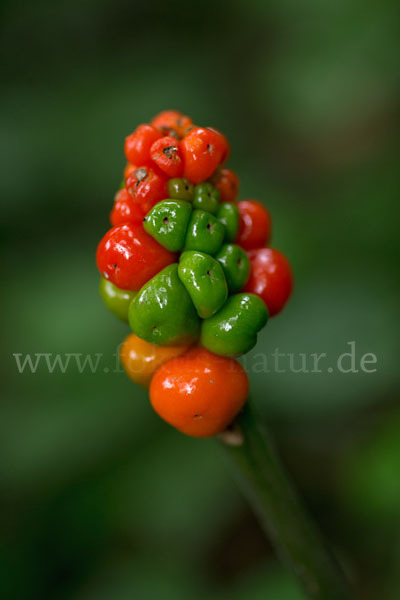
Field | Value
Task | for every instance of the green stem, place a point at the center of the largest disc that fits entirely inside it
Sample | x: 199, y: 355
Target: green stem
x: 293, y: 533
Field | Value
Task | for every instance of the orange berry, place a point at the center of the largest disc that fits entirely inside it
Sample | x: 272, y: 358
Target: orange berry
x: 125, y: 209
x: 138, y: 144
x: 254, y: 225
x: 172, y: 122
x: 202, y: 150
x: 199, y: 393
x: 130, y: 168
x: 165, y: 153
x: 141, y: 359
x: 227, y: 182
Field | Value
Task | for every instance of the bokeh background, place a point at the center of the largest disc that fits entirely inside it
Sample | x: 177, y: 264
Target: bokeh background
x: 99, y: 499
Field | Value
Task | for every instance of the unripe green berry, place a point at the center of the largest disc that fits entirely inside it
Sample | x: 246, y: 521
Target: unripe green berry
x: 236, y: 266
x: 116, y: 300
x: 163, y: 313
x: 167, y: 223
x: 228, y: 214
x: 232, y: 331
x: 180, y: 189
x: 204, y: 233
x: 206, y: 197
x: 204, y: 281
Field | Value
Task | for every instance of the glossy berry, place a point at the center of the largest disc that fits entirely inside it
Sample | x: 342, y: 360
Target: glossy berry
x: 125, y: 209
x: 180, y: 189
x: 147, y: 186
x: 128, y: 256
x: 138, y: 144
x: 116, y: 300
x: 167, y: 223
x: 129, y: 168
x: 199, y: 393
x: 235, y: 264
x: 172, y: 122
x: 202, y: 150
x: 204, y: 233
x: 141, y: 359
x: 222, y: 144
x: 206, y: 197
x: 204, y: 281
x: 162, y: 312
x: 228, y: 215
x: 227, y: 183
x: 255, y: 225
x: 270, y: 278
x: 165, y: 154
x: 233, y: 330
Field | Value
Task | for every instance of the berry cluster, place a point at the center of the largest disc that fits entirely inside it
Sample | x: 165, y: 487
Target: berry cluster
x: 187, y: 266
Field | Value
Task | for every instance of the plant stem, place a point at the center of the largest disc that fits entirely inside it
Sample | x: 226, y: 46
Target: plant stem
x: 291, y: 530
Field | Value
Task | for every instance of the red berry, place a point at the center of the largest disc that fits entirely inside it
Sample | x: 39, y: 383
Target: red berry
x: 165, y: 153
x: 129, y: 168
x: 202, y: 150
x: 128, y: 257
x: 172, y: 122
x: 147, y: 186
x: 255, y: 225
x: 270, y: 278
x: 227, y: 182
x: 138, y: 144
x: 223, y: 143
x: 125, y: 209
x: 199, y: 393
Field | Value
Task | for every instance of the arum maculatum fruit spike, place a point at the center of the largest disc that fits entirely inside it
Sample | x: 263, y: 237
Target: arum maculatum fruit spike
x: 185, y: 263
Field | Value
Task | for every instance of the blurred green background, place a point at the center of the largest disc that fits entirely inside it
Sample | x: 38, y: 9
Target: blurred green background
x: 99, y: 499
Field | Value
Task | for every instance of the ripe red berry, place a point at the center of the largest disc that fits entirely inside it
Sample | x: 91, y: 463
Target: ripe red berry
x: 227, y: 182
x: 270, y: 278
x: 138, y: 144
x: 128, y: 257
x: 202, y: 151
x: 165, y: 153
x: 172, y: 122
x: 125, y: 209
x: 199, y: 393
x: 255, y: 225
x: 129, y: 168
x: 147, y: 186
x: 223, y: 143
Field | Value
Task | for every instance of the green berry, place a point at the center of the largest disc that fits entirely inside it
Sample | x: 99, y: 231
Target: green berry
x: 204, y: 233
x: 180, y: 189
x: 206, y: 197
x: 204, y: 281
x: 236, y: 266
x: 116, y: 300
x: 162, y: 312
x: 167, y: 223
x: 232, y: 331
x: 228, y: 214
